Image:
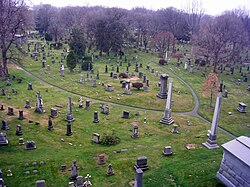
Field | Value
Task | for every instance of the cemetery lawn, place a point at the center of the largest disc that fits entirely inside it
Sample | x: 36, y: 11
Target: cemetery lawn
x: 191, y: 168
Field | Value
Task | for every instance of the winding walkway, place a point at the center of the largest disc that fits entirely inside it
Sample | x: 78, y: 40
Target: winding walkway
x: 193, y: 112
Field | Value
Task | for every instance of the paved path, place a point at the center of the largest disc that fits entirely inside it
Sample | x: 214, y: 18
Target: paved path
x: 193, y: 112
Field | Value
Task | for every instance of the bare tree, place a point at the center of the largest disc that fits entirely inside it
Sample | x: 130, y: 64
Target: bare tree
x: 12, y: 19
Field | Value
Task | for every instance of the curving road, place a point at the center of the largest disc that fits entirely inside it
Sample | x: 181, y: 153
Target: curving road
x: 193, y: 112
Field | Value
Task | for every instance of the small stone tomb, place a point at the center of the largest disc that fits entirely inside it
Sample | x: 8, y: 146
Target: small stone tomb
x: 167, y: 151
x: 40, y: 183
x: 242, y: 108
x: 30, y: 145
x: 109, y: 88
x: 10, y: 111
x: 3, y: 140
x: 235, y: 165
x: 19, y: 130
x: 95, y: 138
x: 125, y: 114
x: 53, y: 113
x: 5, y: 125
x: 142, y: 163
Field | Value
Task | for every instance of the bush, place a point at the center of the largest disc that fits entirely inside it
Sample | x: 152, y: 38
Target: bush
x: 109, y: 139
x: 137, y: 85
x: 162, y: 62
x: 48, y: 37
x: 123, y: 75
x: 85, y: 63
x: 59, y: 45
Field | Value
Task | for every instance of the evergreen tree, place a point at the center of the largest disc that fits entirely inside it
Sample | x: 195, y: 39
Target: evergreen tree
x: 71, y: 61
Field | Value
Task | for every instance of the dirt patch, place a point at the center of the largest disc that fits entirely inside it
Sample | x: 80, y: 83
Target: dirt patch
x: 13, y: 66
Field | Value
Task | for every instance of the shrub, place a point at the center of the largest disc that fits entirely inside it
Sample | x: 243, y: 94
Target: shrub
x: 111, y: 139
x: 59, y: 45
x: 85, y: 63
x: 137, y: 85
x: 48, y: 37
x: 178, y: 55
x: 162, y: 62
x: 123, y: 75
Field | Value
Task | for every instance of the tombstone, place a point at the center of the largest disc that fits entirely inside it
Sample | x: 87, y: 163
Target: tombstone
x: 140, y: 74
x: 148, y: 67
x: 138, y: 178
x: 147, y: 83
x: 124, y: 84
x: 142, y: 163
x: 136, y: 68
x: 9, y: 173
x: 10, y: 111
x: 69, y: 132
x: 106, y: 69
x: 87, y: 107
x: 96, y: 120
x: 135, y: 131
x: 19, y: 130
x: 43, y: 63
x: 48, y: 68
x: 232, y: 70
x: 40, y: 183
x: 191, y: 69
x: 225, y: 93
x: 152, y: 70
x: 79, y: 181
x: 211, y: 142
x: 101, y: 159
x: 156, y: 73
x: 9, y: 96
x: 96, y: 138
x: 3, y: 92
x: 87, y: 183
x: 97, y: 75
x: 39, y: 104
x: 74, y: 171
x: 27, y: 104
x: 2, y: 182
x: 21, y: 142
x: 5, y: 125
x: 167, y: 151
x: 20, y: 117
x: 248, y: 88
x: 245, y: 79
x: 167, y: 119
x: 242, y: 107
x: 235, y: 167
x: 30, y: 145
x: 117, y: 69
x: 111, y: 74
x: 127, y: 69
x: 1, y: 107
x: 125, y: 114
x: 3, y: 140
x: 186, y: 66
x: 115, y: 76
x: 127, y: 88
x: 30, y: 86
x: 163, y: 89
x: 144, y: 78
x: 140, y: 65
x: 8, y: 83
x: 94, y: 84
x: 110, y: 171
x: 53, y: 113
x: 62, y: 70
x: 69, y: 116
x: 175, y: 129
x: 50, y: 125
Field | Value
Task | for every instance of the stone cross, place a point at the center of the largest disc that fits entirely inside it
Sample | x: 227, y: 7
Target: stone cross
x: 167, y: 120
x: 211, y: 142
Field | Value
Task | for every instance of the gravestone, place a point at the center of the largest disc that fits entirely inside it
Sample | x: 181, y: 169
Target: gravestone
x: 140, y: 74
x: 50, y: 125
x: 74, y: 171
x: 167, y: 151
x: 127, y: 88
x: 69, y: 132
x: 1, y: 107
x: 167, y: 119
x: 20, y: 117
x: 101, y: 159
x: 125, y: 114
x: 186, y: 65
x: 138, y: 178
x: 111, y: 74
x: 40, y: 183
x: 96, y: 120
x: 191, y: 69
x: 144, y: 78
x: 110, y: 171
x: 175, y: 129
x: 3, y: 92
x: 127, y: 69
x: 21, y: 141
x: 96, y: 138
x: 135, y: 131
x: 235, y: 165
x: 3, y: 140
x: 39, y: 103
x: 27, y: 104
x: 10, y: 111
x: 8, y: 83
x: 5, y: 125
x: 106, y: 69
x: 211, y: 142
x: 87, y: 107
x: 79, y: 181
x: 69, y: 116
x: 163, y: 89
x: 242, y: 107
x: 53, y: 113
x: 142, y: 163
x: 19, y: 130
x: 30, y: 86
x: 87, y: 182
x: 30, y: 145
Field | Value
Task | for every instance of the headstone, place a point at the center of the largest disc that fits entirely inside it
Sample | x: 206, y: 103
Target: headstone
x: 87, y: 107
x: 21, y: 141
x: 152, y: 70
x: 79, y: 181
x: 235, y: 165
x: 3, y: 140
x: 144, y: 78
x: 186, y: 66
x: 127, y: 88
x: 8, y: 83
x: 106, y: 69
x: 50, y: 125
x: 167, y: 119
x: 69, y: 116
x: 191, y: 69
x: 147, y: 83
x: 69, y: 132
x: 5, y: 125
x: 20, y: 117
x: 96, y: 120
x: 225, y: 93
x: 96, y: 138
x: 111, y: 74
x: 30, y: 86
x: 117, y: 69
x: 48, y: 68
x: 211, y: 142
x: 101, y: 159
x: 163, y: 89
x: 138, y: 178
x: 125, y: 114
x: 27, y: 104
x: 110, y: 171
x: 135, y: 131
x: 242, y: 107
x: 167, y: 151
x: 87, y: 182
x: 142, y: 163
x: 3, y: 92
x: 10, y: 111
x: 39, y: 104
x: 156, y: 73
x: 30, y: 145
x: 19, y: 130
x: 140, y: 74
x: 175, y: 129
x: 40, y: 183
x: 53, y: 113
x: 74, y: 171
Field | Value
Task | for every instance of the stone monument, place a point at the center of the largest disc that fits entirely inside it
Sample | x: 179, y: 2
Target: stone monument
x: 69, y: 116
x: 163, y: 89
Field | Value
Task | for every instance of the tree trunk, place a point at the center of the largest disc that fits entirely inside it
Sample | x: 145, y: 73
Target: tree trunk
x: 3, y: 66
